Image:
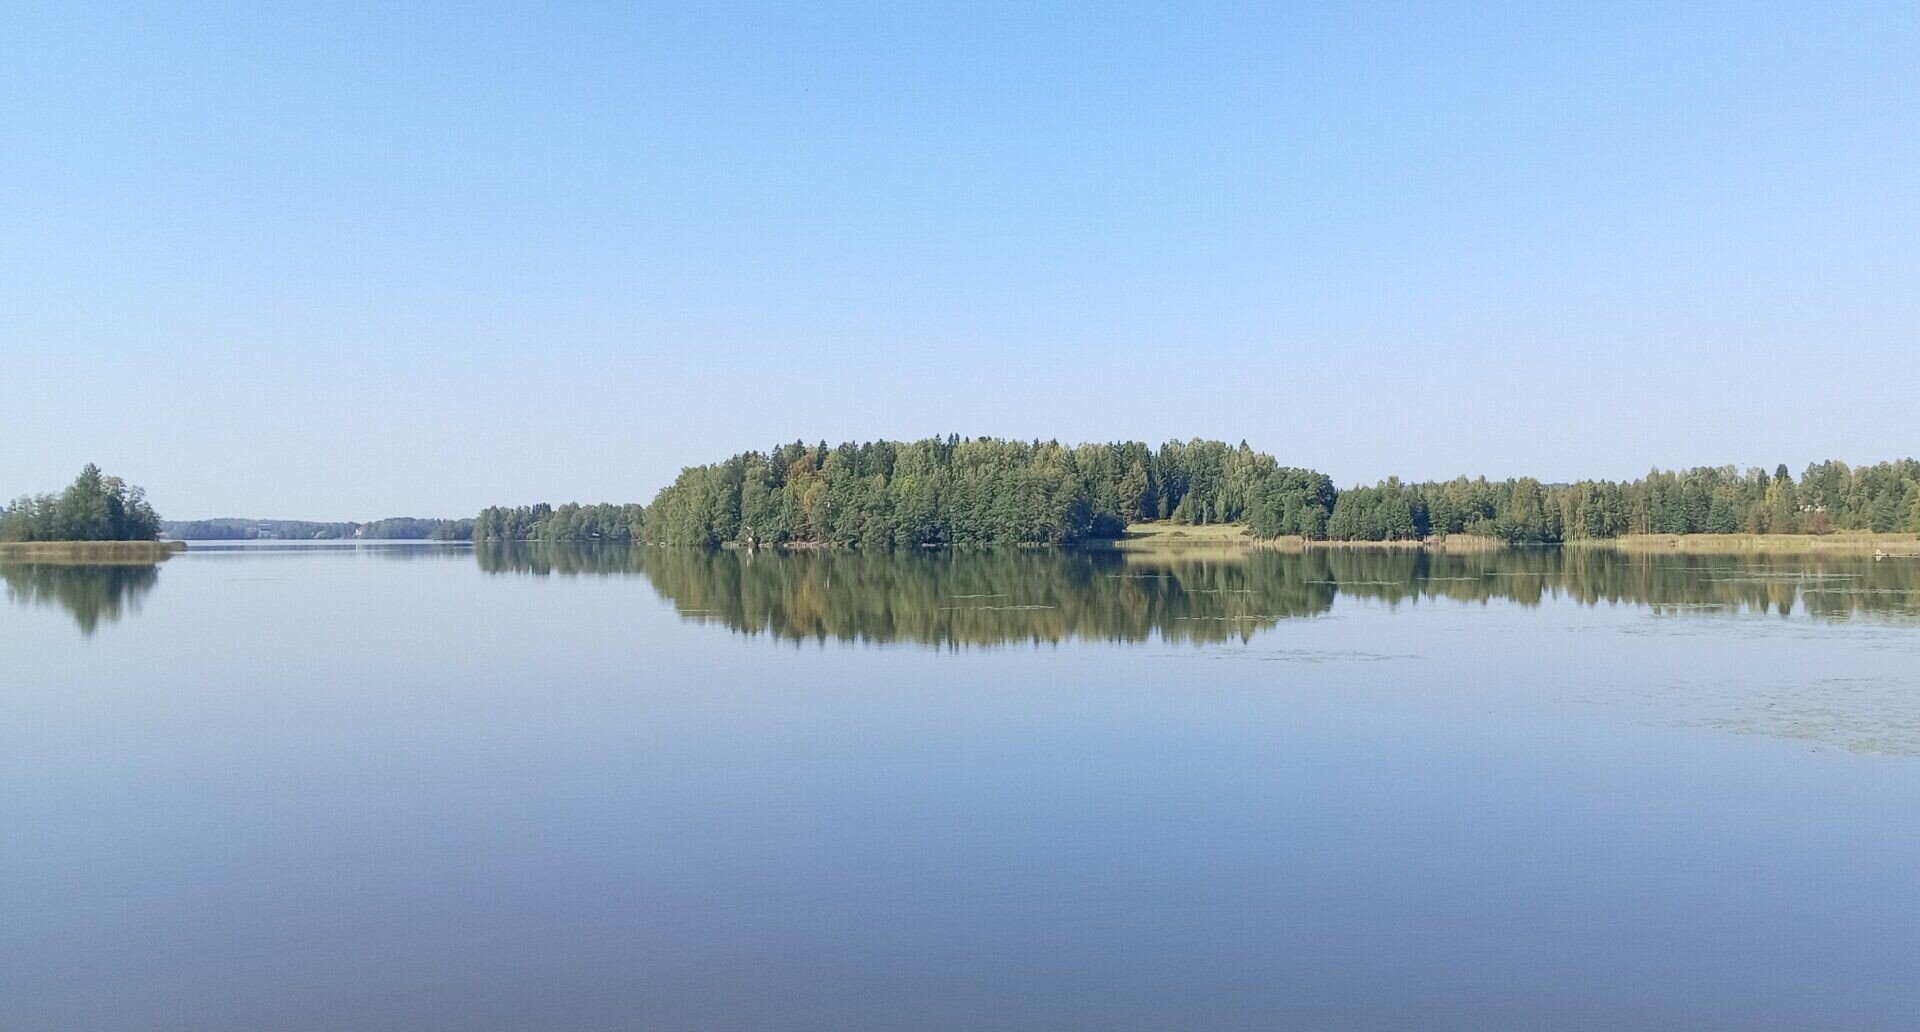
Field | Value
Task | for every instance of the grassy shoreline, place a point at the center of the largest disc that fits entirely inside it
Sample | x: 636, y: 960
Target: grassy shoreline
x: 1157, y: 536
x: 91, y: 551
x: 1175, y: 537
x: 1171, y: 537
x: 1845, y: 542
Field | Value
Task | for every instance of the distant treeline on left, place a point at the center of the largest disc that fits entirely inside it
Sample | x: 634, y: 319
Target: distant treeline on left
x: 98, y: 507
x: 401, y: 528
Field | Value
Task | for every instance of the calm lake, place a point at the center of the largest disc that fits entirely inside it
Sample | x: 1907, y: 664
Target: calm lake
x: 412, y: 786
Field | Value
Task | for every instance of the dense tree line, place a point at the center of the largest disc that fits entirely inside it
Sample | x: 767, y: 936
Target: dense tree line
x: 569, y: 522
x: 1829, y: 496
x: 95, y: 507
x: 972, y: 491
x: 954, y: 491
x: 409, y: 528
x: 396, y: 528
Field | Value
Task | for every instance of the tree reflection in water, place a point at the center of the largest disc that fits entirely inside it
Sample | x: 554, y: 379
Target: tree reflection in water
x: 1001, y: 596
x: 91, y: 593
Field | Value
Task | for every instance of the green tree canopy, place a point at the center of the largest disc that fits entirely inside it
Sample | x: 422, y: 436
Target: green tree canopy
x: 95, y: 507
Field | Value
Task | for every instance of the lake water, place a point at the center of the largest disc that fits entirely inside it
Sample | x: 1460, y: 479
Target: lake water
x: 427, y: 787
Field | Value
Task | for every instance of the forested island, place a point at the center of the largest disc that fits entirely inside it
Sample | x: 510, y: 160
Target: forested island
x: 95, y: 509
x: 944, y: 491
x: 956, y: 491
x: 400, y: 528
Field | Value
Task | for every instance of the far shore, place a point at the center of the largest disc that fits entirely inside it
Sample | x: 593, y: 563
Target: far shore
x: 1233, y: 539
x: 91, y: 551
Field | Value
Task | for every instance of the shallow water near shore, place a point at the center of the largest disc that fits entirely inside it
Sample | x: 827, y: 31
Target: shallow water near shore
x: 395, y: 786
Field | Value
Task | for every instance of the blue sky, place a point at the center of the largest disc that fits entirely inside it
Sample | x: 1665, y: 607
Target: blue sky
x: 337, y: 261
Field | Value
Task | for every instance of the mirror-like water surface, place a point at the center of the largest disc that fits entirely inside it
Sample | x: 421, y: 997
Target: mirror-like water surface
x: 412, y: 786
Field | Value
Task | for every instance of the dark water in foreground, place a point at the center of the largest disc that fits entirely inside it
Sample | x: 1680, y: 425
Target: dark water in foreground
x: 417, y: 786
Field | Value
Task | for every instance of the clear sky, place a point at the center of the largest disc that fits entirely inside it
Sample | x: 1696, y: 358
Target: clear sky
x: 352, y: 261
